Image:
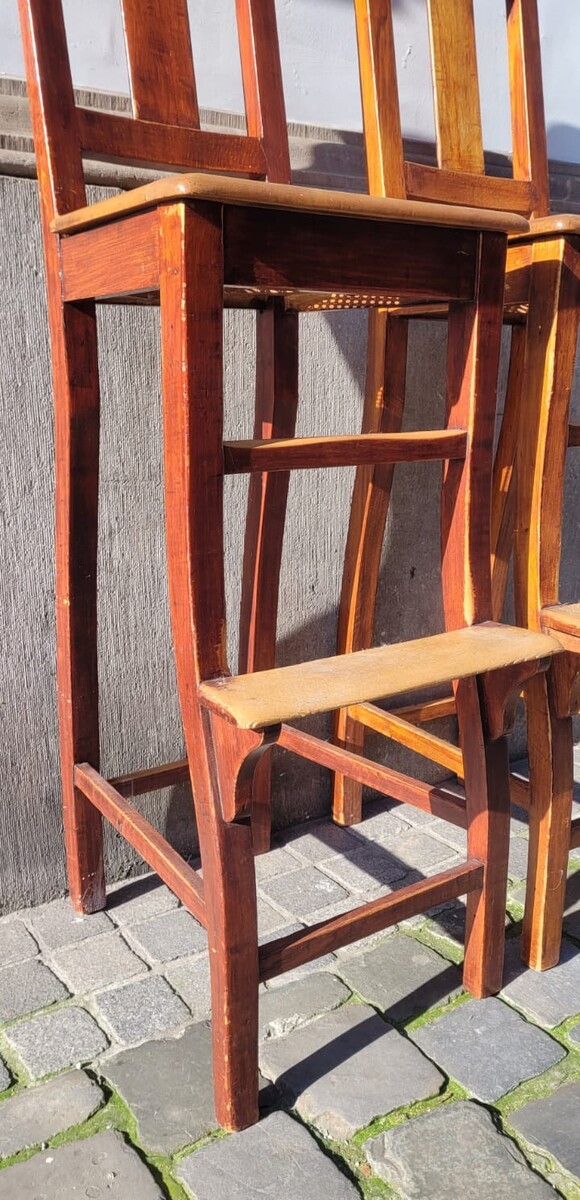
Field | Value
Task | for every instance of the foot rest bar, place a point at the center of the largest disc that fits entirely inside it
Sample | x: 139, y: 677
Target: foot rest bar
x: 151, y: 779
x: 299, y: 948
x: 145, y: 839
x: 362, y: 449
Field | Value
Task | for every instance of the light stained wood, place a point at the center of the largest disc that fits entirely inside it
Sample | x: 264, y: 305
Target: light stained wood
x: 262, y: 81
x: 455, y: 85
x: 285, y: 454
x: 286, y: 693
x: 457, y: 187
x: 146, y: 840
x: 561, y: 618
x: 422, y: 742
x: 503, y: 502
x: 286, y: 196
x: 530, y: 151
x: 295, y: 949
x: 160, y: 62
x: 429, y: 710
x: 380, y: 99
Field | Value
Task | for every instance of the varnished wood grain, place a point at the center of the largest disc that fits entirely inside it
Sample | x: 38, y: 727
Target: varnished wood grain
x: 455, y: 85
x: 112, y: 260
x: 292, y: 951
x: 160, y: 62
x: 416, y: 739
x: 285, y: 454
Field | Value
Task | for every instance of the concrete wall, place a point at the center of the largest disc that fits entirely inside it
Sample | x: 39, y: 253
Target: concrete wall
x: 139, y: 713
x: 319, y: 61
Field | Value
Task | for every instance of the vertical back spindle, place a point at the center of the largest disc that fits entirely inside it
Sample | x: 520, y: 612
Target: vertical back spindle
x: 160, y: 62
x: 530, y: 152
x: 380, y: 98
x: 456, y: 85
x: 262, y: 80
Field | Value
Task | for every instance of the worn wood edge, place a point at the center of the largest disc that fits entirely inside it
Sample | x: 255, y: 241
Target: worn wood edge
x: 160, y: 856
x: 295, y: 949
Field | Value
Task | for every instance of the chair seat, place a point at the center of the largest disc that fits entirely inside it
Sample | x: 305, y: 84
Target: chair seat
x: 286, y: 693
x: 562, y: 618
x: 228, y: 190
x: 556, y: 223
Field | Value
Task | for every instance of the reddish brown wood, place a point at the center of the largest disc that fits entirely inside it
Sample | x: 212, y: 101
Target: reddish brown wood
x: 237, y: 753
x: 112, y: 260
x: 286, y: 454
x: 575, y: 834
x: 292, y: 951
x: 530, y: 152
x: 503, y: 483
x: 459, y: 187
x: 383, y: 412
x: 151, y: 779
x: 170, y: 866
x: 487, y: 797
x: 437, y: 800
x: 160, y: 62
x: 108, y: 135
x: 262, y: 79
x: 338, y: 254
x: 191, y: 323
x: 500, y: 691
x: 275, y: 415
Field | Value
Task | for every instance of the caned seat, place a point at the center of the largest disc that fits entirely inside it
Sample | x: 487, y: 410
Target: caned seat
x: 187, y: 244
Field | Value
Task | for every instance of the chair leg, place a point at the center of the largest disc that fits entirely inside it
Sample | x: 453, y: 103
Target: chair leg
x: 503, y: 486
x: 550, y: 750
x: 275, y: 416
x: 192, y: 361
x: 488, y: 830
x: 383, y: 413
x: 76, y: 389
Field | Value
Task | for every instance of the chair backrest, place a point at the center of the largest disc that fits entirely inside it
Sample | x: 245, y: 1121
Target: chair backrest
x: 459, y: 177
x: 164, y: 131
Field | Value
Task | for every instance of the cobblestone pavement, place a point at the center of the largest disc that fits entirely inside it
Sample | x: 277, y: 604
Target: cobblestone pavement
x: 381, y: 1077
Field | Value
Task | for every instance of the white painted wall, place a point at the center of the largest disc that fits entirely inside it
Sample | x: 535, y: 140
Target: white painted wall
x: 319, y: 61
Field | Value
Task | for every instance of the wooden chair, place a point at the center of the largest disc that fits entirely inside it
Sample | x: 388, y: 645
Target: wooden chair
x: 538, y: 281
x: 192, y: 244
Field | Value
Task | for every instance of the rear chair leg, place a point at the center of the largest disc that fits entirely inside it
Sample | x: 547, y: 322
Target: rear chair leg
x: 488, y: 829
x: 383, y: 413
x: 76, y: 388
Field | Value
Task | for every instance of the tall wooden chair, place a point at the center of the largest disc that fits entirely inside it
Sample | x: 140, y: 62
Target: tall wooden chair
x: 193, y: 243
x: 535, y: 275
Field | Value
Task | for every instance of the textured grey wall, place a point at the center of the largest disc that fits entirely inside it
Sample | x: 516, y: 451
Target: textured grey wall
x: 139, y: 711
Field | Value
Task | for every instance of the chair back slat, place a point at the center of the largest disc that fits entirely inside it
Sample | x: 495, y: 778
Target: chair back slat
x: 530, y: 151
x: 160, y: 62
x: 459, y: 177
x: 380, y: 98
x: 456, y: 85
x: 164, y: 131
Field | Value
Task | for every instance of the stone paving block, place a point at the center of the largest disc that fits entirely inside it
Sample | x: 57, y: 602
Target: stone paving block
x: 168, y: 1086
x: 304, y: 891
x: 316, y: 840
x: 572, y: 906
x: 96, y: 962
x: 34, y: 1116
x: 169, y: 936
x: 55, y: 1040
x: 518, y: 858
x: 447, y: 832
x: 448, y: 921
x: 381, y: 824
x: 4, y: 1077
x: 26, y: 986
x: 574, y: 1034
x: 367, y: 869
x: 552, y: 1124
x: 276, y: 862
x: 16, y: 943
x: 136, y: 900
x: 402, y: 977
x: 487, y: 1047
x: 285, y: 1008
x: 454, y: 1151
x: 547, y: 996
x: 99, y: 1166
x: 277, y: 1158
x: 189, y: 977
x: 269, y: 919
x: 346, y: 1068
x: 57, y: 924
x: 141, y: 1010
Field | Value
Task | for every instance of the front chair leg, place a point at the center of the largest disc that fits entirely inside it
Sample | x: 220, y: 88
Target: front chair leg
x: 550, y: 750
x: 488, y: 829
